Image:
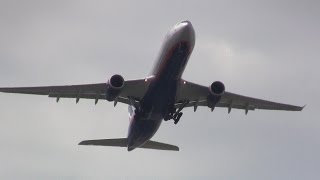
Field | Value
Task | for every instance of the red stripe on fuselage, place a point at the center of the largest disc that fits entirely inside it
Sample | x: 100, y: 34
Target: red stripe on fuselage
x: 162, y: 66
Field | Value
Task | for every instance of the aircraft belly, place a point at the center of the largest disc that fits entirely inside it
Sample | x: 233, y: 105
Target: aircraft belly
x: 160, y: 95
x: 142, y: 130
x: 146, y: 122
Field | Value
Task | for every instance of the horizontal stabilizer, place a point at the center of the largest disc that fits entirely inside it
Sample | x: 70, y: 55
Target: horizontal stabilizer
x: 159, y: 146
x: 123, y: 142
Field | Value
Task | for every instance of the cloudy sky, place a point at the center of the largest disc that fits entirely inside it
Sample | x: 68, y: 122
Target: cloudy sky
x: 266, y: 49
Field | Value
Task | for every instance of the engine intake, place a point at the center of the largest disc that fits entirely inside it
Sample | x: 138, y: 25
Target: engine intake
x: 216, y: 89
x: 114, y: 87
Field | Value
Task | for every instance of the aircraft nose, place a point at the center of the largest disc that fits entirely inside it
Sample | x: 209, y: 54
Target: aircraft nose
x: 186, y: 31
x: 185, y: 22
x: 186, y: 27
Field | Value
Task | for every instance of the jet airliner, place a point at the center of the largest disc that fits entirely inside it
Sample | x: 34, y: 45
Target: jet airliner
x: 161, y: 96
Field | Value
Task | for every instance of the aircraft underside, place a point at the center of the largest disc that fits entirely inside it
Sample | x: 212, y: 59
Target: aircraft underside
x: 161, y: 96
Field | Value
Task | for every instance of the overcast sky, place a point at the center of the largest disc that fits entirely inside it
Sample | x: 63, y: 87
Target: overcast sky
x: 267, y: 49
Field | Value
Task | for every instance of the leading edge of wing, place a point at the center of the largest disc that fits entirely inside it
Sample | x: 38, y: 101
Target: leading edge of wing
x: 232, y: 98
x: 67, y: 89
x: 196, y: 95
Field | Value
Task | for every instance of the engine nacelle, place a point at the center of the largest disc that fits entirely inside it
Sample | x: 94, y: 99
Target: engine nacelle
x: 216, y: 91
x: 114, y: 87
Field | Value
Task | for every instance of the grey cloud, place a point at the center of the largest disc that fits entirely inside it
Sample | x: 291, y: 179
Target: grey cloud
x: 266, y: 49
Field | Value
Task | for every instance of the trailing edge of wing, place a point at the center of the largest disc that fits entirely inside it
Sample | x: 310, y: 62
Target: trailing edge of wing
x: 123, y: 142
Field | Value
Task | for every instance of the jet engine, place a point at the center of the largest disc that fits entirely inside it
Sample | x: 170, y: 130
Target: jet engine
x: 114, y: 87
x: 216, y: 91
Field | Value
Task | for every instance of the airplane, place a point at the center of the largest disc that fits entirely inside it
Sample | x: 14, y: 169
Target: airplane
x: 161, y: 96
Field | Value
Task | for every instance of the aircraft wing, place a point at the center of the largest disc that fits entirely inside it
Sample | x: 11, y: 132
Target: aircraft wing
x: 196, y: 95
x: 132, y: 88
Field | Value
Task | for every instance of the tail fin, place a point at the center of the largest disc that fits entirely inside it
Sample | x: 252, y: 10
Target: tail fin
x: 123, y: 142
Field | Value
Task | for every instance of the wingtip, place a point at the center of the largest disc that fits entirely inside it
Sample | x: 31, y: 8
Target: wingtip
x: 175, y: 148
x: 300, y: 108
x: 82, y: 143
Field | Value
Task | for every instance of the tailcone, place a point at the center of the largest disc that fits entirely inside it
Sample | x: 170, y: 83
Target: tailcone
x: 130, y: 148
x: 130, y: 145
